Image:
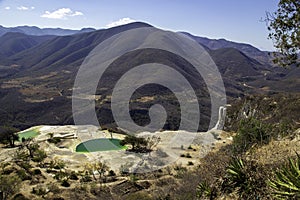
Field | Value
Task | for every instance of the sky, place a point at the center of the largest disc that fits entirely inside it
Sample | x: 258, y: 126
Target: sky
x: 234, y: 20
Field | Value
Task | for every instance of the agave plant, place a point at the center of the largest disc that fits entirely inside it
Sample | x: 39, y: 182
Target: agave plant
x: 204, y: 191
x: 286, y: 184
x: 235, y: 173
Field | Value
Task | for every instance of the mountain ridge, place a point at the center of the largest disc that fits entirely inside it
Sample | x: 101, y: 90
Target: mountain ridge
x: 36, y: 84
x: 34, y: 30
x: 262, y: 56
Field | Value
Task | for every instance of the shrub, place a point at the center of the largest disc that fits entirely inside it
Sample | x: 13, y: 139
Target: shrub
x: 39, y: 190
x: 23, y: 175
x: 39, y: 156
x: 9, y: 185
x: 190, y: 163
x: 188, y: 155
x: 73, y: 176
x: 20, y: 196
x: 60, y: 175
x: 133, y: 178
x: 57, y: 164
x: 86, y: 178
x: 53, y: 187
x: 111, y: 173
x: 251, y: 131
x: 36, y: 172
x: 65, y: 183
x: 54, y: 140
x: 25, y: 165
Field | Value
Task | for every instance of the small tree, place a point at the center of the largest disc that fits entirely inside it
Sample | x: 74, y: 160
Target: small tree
x: 31, y: 147
x: 111, y: 133
x: 152, y: 142
x: 284, y: 27
x: 137, y: 144
x: 34, y: 151
x: 98, y: 166
x: 9, y: 185
x: 101, y: 168
x: 8, y: 135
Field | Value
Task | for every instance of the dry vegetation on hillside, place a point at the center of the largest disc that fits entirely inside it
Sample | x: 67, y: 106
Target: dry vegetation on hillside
x: 249, y: 167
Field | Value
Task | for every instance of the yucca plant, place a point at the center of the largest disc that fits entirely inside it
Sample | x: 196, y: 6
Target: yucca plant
x: 286, y: 184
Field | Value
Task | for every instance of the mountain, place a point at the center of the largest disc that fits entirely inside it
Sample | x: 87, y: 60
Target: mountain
x: 14, y: 42
x: 234, y: 63
x: 38, y: 72
x: 67, y: 51
x: 33, y: 30
x: 251, y: 51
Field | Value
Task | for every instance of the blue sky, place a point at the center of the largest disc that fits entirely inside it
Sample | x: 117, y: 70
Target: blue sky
x: 235, y: 20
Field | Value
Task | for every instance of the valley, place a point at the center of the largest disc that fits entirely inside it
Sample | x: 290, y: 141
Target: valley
x: 234, y: 154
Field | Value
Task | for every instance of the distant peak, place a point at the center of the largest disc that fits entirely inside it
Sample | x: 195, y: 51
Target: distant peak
x: 134, y: 24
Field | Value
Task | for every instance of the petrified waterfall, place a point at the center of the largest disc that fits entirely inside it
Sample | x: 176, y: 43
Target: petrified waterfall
x: 221, y: 118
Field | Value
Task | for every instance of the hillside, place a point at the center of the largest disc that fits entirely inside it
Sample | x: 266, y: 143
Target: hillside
x: 52, y: 157
x: 251, y: 51
x: 12, y: 42
x: 38, y: 77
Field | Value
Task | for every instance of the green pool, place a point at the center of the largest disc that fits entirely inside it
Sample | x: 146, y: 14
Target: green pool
x: 101, y: 144
x: 28, y: 134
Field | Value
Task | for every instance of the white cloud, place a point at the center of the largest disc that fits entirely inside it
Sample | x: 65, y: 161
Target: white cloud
x: 22, y: 8
x: 125, y: 20
x: 7, y: 8
x: 25, y: 8
x: 61, y: 13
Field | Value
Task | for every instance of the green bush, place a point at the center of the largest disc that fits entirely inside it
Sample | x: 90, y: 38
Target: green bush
x: 60, y: 175
x: 25, y: 165
x: 23, y: 175
x: 286, y: 184
x: 39, y: 155
x: 86, y: 178
x: 133, y: 178
x: 250, y: 132
x: 57, y: 164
